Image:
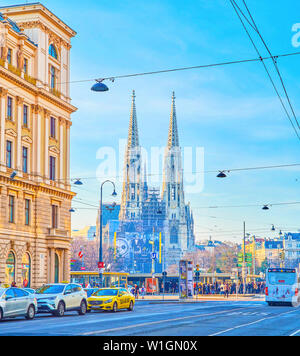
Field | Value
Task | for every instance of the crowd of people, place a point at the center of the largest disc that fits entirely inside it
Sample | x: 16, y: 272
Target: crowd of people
x: 227, y: 288
x: 200, y: 288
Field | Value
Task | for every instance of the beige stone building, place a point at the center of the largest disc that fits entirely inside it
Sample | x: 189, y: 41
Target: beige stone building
x: 35, y: 121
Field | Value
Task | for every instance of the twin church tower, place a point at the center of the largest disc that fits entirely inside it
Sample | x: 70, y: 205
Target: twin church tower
x: 147, y: 210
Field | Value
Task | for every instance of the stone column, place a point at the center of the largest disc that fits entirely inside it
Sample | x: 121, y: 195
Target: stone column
x: 52, y: 265
x: 67, y: 266
x: 37, y: 139
x: 68, y: 126
x: 3, y: 94
x: 46, y: 147
x: 20, y: 103
x: 62, y: 151
x: 62, y: 265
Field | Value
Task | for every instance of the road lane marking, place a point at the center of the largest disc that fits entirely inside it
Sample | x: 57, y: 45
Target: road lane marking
x: 104, y: 331
x: 295, y: 333
x: 252, y: 323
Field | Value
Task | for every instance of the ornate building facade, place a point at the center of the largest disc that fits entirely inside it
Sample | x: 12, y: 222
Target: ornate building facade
x: 35, y: 121
x: 155, y: 229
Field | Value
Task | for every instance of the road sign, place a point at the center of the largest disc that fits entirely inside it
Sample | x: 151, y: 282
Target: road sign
x: 82, y: 268
x: 153, y: 255
x: 100, y: 264
x: 80, y: 254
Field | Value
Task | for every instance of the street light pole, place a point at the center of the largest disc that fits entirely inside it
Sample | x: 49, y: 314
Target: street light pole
x: 100, y: 230
x: 244, y: 260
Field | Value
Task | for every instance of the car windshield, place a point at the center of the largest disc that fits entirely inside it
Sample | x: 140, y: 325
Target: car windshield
x: 106, y: 293
x: 31, y: 291
x: 281, y: 278
x: 50, y: 289
x: 89, y: 292
x: 2, y: 290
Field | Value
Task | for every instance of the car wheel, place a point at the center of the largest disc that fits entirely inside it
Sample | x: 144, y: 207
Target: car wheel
x: 130, y: 306
x: 115, y: 307
x: 60, y: 309
x: 83, y: 308
x: 30, y: 313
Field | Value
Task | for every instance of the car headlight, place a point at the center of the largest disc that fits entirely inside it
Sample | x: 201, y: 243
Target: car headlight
x: 51, y: 298
x: 107, y: 301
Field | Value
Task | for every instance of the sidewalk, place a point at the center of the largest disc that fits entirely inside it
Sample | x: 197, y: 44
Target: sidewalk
x: 202, y: 298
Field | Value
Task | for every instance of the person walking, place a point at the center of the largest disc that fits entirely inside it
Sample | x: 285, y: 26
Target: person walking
x: 143, y: 291
x: 136, y: 291
x: 226, y: 290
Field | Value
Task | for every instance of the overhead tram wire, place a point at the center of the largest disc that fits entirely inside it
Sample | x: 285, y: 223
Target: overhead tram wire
x: 233, y: 3
x: 214, y: 206
x: 274, y: 62
x: 206, y: 171
x: 112, y: 78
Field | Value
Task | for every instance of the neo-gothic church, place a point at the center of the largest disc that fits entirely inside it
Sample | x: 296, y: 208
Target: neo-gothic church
x: 153, y: 220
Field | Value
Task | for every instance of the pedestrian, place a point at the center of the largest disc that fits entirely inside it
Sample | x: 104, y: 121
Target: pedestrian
x: 226, y: 290
x: 13, y: 284
x: 136, y: 291
x: 143, y: 291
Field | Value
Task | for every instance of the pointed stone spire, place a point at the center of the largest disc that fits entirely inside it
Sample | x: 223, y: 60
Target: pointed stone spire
x: 133, y: 136
x: 145, y: 188
x: 173, y: 140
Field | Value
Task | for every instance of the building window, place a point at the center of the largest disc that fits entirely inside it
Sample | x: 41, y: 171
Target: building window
x: 25, y: 159
x: 52, y: 77
x: 25, y: 116
x: 25, y: 68
x: 9, y: 108
x: 9, y: 55
x: 132, y: 192
x: 54, y: 215
x: 9, y: 154
x: 56, y: 269
x: 173, y: 192
x: 174, y: 236
x: 52, y: 51
x: 10, y: 268
x: 27, y: 212
x: 26, y: 270
x: 52, y: 167
x: 11, y: 209
x: 52, y: 127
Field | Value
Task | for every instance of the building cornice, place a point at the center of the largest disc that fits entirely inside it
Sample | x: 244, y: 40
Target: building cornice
x: 21, y: 184
x: 15, y: 79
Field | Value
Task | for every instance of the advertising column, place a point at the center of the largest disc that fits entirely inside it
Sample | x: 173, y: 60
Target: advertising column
x: 186, y: 283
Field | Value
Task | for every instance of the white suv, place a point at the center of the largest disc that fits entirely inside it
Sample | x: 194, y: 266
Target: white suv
x: 58, y: 298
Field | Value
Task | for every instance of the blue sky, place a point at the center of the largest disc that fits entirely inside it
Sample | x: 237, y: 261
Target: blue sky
x: 231, y: 111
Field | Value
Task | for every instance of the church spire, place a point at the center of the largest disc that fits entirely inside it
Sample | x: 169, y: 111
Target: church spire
x: 173, y: 140
x: 133, y: 136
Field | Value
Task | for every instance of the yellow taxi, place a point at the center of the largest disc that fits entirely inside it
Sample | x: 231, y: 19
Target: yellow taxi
x: 111, y: 299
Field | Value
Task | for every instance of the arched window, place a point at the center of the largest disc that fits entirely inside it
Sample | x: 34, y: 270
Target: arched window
x: 26, y: 270
x: 10, y: 268
x: 56, y: 269
x: 174, y: 236
x: 52, y: 51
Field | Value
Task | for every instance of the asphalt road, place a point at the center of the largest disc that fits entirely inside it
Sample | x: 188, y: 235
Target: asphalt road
x: 169, y: 319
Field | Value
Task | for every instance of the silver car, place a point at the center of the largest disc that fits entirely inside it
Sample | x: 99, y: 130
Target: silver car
x: 58, y: 298
x: 16, y: 302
